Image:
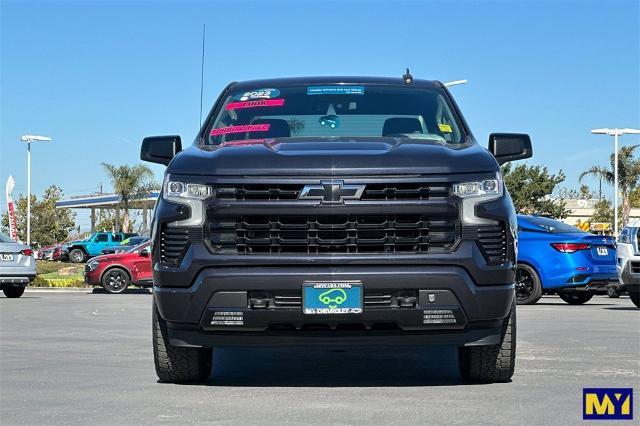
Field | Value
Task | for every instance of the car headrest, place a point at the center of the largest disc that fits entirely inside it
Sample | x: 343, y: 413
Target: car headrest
x: 278, y: 128
x: 401, y: 125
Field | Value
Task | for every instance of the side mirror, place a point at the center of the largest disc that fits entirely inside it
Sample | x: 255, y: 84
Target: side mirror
x: 160, y: 149
x: 510, y: 146
x: 144, y: 253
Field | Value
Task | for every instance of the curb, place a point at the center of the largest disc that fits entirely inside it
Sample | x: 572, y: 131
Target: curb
x: 59, y: 289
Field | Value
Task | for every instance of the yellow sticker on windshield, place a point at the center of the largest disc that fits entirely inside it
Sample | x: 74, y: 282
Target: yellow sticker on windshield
x: 445, y: 128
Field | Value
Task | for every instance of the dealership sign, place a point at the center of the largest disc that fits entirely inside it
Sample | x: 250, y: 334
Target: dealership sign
x: 13, y: 230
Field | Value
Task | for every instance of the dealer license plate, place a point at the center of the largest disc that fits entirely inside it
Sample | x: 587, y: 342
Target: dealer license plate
x: 332, y: 297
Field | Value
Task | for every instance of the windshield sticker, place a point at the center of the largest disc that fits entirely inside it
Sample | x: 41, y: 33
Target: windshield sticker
x: 254, y: 104
x: 335, y: 90
x: 241, y: 129
x: 257, y: 94
x: 445, y: 128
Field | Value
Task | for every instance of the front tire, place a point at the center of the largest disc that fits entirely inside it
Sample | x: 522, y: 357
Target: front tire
x: 576, y: 297
x: 635, y: 297
x: 13, y: 292
x: 115, y: 281
x: 528, y: 285
x: 176, y: 364
x: 495, y: 363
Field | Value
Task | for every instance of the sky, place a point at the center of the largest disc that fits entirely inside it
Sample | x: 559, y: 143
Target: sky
x: 97, y: 77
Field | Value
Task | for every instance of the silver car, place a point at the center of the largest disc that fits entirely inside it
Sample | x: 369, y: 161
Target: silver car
x: 17, y: 266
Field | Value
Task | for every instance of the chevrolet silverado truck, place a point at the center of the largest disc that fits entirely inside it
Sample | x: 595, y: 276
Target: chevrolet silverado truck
x: 392, y: 228
x: 81, y: 250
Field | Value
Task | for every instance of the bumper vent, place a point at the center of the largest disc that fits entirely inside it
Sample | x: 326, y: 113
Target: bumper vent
x: 373, y: 191
x: 333, y: 234
x: 293, y: 299
x: 173, y: 245
x: 491, y: 239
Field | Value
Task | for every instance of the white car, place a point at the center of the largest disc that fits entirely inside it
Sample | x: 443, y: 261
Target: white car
x: 628, y: 260
x: 17, y: 266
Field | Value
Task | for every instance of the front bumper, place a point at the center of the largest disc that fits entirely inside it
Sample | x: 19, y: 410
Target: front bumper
x: 474, y: 314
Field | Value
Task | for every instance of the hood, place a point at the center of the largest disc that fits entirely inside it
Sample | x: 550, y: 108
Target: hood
x: 114, y: 257
x: 327, y: 156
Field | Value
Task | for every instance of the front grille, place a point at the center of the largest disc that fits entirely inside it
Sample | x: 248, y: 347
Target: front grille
x: 373, y: 191
x: 635, y: 267
x: 173, y: 245
x: 333, y: 234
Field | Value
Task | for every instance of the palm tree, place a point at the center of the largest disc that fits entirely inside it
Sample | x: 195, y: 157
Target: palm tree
x: 130, y: 183
x: 628, y: 175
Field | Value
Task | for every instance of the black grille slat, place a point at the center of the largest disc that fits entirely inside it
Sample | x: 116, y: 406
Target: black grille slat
x: 635, y: 267
x: 373, y: 191
x: 333, y: 234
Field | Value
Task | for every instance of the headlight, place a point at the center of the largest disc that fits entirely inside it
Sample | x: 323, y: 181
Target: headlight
x: 181, y: 190
x: 91, y: 266
x: 190, y: 194
x: 475, y: 192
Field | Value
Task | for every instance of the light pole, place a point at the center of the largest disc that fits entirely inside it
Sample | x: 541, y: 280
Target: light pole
x: 28, y: 139
x: 615, y: 133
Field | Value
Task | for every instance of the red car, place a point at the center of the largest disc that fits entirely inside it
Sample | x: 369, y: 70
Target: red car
x: 115, y: 272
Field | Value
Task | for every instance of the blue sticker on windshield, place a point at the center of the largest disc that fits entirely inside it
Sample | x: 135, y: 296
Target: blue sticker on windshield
x: 335, y: 90
x: 257, y: 94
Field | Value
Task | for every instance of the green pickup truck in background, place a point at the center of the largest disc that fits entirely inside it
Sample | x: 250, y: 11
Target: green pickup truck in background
x: 81, y: 250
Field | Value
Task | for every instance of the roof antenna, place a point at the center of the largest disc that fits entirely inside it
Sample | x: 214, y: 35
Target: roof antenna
x: 204, y: 27
x: 408, y: 78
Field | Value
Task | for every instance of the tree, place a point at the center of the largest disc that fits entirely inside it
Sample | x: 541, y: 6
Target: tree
x: 628, y: 175
x: 531, y: 188
x: 603, y: 213
x: 106, y: 220
x: 49, y: 225
x: 130, y: 183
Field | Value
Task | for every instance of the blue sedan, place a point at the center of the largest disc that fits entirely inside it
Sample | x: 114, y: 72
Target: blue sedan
x: 556, y: 258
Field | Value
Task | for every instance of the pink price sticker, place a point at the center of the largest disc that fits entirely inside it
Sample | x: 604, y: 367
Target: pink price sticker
x: 241, y: 129
x: 255, y: 104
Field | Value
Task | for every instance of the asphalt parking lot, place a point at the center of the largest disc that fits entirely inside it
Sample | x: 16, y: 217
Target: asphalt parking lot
x: 86, y: 358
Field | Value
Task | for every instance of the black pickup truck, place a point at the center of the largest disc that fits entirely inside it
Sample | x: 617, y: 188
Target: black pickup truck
x: 334, y: 211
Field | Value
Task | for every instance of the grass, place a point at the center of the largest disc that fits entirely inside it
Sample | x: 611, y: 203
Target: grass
x: 57, y: 274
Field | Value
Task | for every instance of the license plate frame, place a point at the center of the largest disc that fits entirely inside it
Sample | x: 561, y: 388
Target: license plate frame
x: 602, y: 250
x: 6, y: 257
x: 332, y: 297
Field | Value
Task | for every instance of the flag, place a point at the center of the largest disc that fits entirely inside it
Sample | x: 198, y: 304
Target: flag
x: 13, y: 229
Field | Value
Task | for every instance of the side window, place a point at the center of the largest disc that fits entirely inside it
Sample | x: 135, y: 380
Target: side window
x: 101, y: 238
x: 116, y: 238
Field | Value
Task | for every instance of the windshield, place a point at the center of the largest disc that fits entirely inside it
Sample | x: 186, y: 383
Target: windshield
x: 553, y: 226
x: 336, y: 111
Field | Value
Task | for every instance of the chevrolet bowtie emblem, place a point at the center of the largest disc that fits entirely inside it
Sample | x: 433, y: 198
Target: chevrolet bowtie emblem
x: 331, y: 192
